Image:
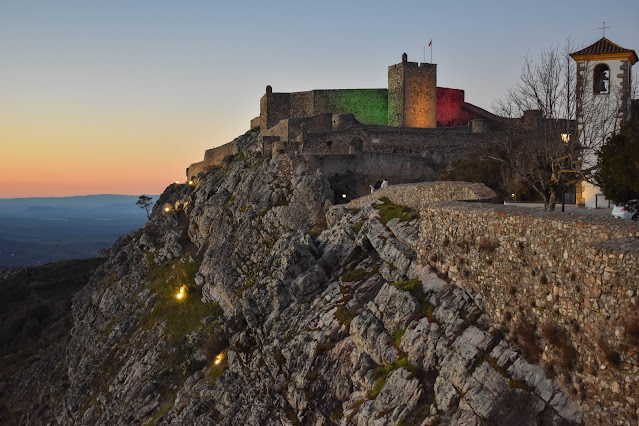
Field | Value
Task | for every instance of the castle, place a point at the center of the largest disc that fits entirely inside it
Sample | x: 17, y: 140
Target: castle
x: 407, y: 132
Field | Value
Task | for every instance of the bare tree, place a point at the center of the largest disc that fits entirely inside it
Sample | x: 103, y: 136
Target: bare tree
x: 545, y: 149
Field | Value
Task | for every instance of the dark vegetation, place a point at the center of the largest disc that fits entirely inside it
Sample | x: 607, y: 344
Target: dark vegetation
x: 618, y: 176
x: 35, y: 320
x: 479, y: 168
x: 35, y: 298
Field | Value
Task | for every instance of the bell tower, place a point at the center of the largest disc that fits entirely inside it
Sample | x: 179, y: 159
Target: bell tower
x: 604, y: 77
x: 603, y: 100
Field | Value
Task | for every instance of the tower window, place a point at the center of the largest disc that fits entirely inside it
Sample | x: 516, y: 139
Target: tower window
x: 601, y: 79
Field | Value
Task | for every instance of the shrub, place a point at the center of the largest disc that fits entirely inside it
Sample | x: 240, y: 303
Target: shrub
x: 631, y: 326
x: 525, y: 335
x: 611, y: 356
x: 557, y: 337
x: 486, y: 244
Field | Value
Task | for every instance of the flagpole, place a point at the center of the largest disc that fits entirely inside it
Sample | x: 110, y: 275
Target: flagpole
x: 431, y: 51
x: 424, y: 53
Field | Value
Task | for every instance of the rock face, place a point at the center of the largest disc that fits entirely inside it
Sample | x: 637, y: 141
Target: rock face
x: 291, y: 312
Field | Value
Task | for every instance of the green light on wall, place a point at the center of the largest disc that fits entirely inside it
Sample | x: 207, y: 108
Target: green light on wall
x: 370, y: 106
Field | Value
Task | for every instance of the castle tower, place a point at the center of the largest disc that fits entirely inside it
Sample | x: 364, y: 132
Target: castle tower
x: 412, y: 94
x: 603, y: 99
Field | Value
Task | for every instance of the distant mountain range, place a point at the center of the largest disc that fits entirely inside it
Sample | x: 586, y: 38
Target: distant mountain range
x: 34, y: 231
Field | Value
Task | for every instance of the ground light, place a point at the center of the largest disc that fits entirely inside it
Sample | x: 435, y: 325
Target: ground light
x: 219, y: 358
x: 181, y: 293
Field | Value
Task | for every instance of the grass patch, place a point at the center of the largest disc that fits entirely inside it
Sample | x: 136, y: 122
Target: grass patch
x: 354, y: 275
x: 229, y: 201
x: 518, y: 384
x: 337, y: 413
x: 414, y: 287
x: 215, y: 371
x: 397, y: 337
x: 183, y: 315
x: 389, y: 211
x: 314, y: 234
x: 382, y: 373
x: 344, y: 315
x: 357, y: 227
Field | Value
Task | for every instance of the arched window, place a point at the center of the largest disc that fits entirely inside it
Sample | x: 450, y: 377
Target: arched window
x: 601, y: 79
x: 357, y: 145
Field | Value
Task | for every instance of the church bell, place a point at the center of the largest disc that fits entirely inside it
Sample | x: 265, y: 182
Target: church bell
x: 602, y: 87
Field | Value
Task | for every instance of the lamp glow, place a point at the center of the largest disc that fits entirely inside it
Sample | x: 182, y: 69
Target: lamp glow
x: 167, y: 209
x: 177, y: 181
x: 182, y: 293
x: 219, y: 358
x: 565, y: 137
x: 191, y: 182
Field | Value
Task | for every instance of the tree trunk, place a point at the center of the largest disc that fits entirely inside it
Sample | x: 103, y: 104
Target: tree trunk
x: 552, y: 201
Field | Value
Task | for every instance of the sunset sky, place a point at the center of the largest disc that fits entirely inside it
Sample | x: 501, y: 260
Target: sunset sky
x: 121, y: 96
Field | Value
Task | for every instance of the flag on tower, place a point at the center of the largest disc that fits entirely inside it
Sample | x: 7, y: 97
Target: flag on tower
x: 430, y: 43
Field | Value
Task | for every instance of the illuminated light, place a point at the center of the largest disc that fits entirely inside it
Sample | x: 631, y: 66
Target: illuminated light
x: 191, y: 182
x: 565, y: 137
x: 167, y: 209
x: 182, y: 293
x: 219, y: 358
x: 343, y: 195
x: 177, y: 181
x: 512, y: 195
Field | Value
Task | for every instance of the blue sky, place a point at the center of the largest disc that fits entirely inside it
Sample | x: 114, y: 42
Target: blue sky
x: 93, y: 89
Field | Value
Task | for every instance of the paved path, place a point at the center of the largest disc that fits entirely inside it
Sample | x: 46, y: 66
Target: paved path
x: 570, y: 208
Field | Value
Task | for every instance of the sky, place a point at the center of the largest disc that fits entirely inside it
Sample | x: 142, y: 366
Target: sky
x: 120, y: 97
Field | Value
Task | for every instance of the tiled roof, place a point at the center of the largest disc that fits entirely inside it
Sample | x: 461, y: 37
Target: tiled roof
x: 604, y: 46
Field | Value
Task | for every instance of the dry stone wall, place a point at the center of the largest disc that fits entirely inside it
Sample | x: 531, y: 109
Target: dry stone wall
x: 418, y: 195
x: 565, y: 286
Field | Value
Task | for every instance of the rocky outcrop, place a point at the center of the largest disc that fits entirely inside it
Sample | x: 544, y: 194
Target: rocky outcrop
x: 290, y: 312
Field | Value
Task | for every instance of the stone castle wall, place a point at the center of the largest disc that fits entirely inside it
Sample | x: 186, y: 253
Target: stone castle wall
x: 212, y: 157
x: 369, y: 106
x: 571, y: 279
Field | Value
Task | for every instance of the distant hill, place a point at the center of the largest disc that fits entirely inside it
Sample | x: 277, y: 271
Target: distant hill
x: 35, y: 231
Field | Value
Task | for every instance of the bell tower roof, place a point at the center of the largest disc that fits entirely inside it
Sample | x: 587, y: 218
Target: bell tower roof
x: 605, y: 49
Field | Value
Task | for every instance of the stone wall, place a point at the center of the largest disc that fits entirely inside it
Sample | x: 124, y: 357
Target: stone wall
x: 212, y: 157
x: 419, y: 195
x: 442, y: 145
x: 369, y: 106
x: 569, y: 281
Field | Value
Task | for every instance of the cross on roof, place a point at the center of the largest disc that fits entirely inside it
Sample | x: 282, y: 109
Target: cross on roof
x: 603, y: 28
